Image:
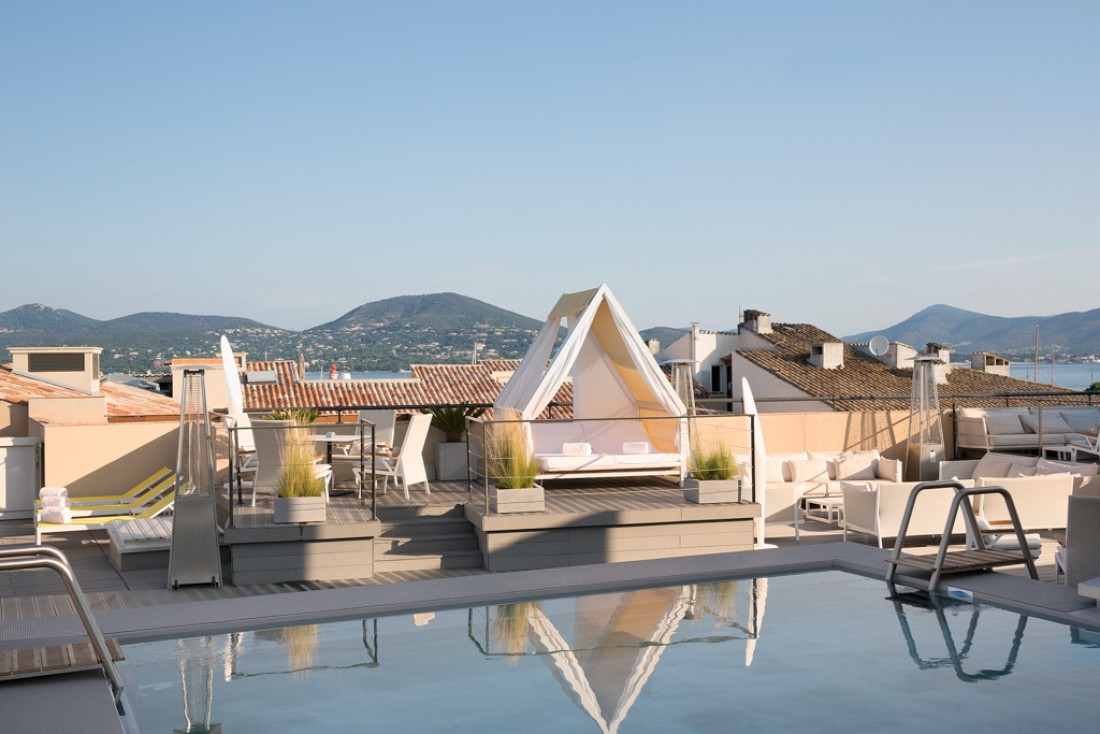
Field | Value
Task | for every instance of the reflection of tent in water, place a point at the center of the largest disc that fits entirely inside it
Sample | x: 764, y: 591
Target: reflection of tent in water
x: 618, y: 639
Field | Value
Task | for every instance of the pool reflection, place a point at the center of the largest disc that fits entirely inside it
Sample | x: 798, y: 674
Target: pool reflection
x: 920, y: 609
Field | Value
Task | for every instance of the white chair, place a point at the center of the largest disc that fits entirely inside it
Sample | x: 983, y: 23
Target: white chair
x: 269, y: 438
x: 407, y: 466
x: 245, y: 442
x: 384, y: 422
x: 1079, y: 560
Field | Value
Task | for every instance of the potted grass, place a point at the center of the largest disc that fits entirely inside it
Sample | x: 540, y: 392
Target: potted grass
x: 450, y: 456
x: 713, y: 477
x: 299, y: 492
x: 512, y: 470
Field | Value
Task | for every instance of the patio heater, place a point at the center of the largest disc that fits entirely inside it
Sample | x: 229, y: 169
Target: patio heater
x: 683, y: 382
x: 926, y: 449
x: 195, y: 557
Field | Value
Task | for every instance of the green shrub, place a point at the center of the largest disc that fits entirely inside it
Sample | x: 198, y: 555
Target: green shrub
x: 451, y: 419
x: 714, y: 463
x: 511, y: 463
x: 297, y: 479
x: 301, y: 416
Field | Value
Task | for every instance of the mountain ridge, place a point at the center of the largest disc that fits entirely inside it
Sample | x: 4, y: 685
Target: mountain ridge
x: 1076, y: 332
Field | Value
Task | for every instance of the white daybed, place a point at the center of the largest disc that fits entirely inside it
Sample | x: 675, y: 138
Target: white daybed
x: 627, y: 418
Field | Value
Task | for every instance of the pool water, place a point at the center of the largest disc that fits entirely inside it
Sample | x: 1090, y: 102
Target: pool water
x: 801, y: 653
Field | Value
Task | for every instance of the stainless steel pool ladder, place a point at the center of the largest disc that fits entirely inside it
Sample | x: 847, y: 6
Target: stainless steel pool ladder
x: 20, y: 557
x: 980, y: 558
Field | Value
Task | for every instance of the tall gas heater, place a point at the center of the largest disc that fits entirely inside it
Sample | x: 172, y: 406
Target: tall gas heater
x: 926, y: 447
x: 195, y: 558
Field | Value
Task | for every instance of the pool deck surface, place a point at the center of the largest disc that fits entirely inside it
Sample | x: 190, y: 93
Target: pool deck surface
x: 135, y: 606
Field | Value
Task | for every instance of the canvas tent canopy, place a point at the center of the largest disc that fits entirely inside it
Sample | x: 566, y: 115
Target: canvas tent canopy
x: 613, y: 372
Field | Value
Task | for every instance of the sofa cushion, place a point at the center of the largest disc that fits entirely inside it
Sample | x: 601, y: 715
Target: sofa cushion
x: 1081, y: 420
x: 856, y: 465
x: 993, y: 464
x: 1049, y: 466
x: 888, y: 469
x: 830, y: 458
x: 1052, y: 423
x: 1004, y: 425
x: 809, y: 470
x: 1021, y: 469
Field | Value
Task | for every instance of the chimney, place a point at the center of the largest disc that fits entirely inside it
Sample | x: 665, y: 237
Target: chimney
x: 943, y: 369
x: 654, y: 345
x: 757, y: 321
x: 991, y: 363
x: 73, y: 367
x: 827, y: 355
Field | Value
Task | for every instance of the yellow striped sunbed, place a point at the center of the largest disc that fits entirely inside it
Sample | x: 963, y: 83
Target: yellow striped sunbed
x: 134, y: 507
x: 105, y: 499
x: 101, y: 521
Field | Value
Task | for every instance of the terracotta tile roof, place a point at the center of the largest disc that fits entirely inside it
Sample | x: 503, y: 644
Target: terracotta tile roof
x: 123, y: 401
x: 863, y: 375
x: 433, y: 384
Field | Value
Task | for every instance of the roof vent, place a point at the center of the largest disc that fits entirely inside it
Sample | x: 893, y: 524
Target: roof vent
x: 757, y: 321
x: 827, y: 355
x: 73, y: 367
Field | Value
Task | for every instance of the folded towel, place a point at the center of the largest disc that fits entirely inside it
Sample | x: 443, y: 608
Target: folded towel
x: 57, y: 515
x: 636, y: 447
x: 53, y: 492
x: 576, y: 449
x: 55, y: 501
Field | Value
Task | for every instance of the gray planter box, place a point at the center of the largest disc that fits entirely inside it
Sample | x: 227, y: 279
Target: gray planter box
x: 299, y: 509
x: 707, y: 491
x: 450, y: 462
x: 516, y: 500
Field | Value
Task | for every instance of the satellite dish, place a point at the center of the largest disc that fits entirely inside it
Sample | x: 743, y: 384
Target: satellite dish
x: 878, y: 345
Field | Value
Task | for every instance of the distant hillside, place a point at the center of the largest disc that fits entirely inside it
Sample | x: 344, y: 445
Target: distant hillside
x: 967, y: 331
x: 36, y: 317
x: 666, y: 335
x: 165, y: 321
x: 438, y: 311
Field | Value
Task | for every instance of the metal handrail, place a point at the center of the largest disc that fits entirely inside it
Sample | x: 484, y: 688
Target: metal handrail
x: 21, y: 557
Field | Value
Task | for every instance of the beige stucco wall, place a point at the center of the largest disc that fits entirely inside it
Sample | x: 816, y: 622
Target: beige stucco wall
x: 13, y: 419
x: 886, y: 431
x: 108, y: 458
x: 68, y: 411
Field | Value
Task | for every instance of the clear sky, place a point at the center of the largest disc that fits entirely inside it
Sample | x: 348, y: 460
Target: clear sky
x: 842, y: 163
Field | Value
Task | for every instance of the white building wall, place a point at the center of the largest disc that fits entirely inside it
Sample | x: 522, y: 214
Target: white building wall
x: 766, y: 385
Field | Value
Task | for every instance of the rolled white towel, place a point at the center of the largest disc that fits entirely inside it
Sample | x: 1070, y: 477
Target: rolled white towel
x: 576, y: 449
x: 53, y: 492
x: 57, y: 515
x: 53, y: 500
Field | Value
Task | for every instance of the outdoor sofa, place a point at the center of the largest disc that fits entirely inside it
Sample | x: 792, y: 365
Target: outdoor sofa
x: 1018, y: 429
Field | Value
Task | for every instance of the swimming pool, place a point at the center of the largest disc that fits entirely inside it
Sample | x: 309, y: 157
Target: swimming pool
x: 813, y: 652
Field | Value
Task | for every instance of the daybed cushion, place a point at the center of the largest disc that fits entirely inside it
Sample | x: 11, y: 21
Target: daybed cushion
x: 606, y: 462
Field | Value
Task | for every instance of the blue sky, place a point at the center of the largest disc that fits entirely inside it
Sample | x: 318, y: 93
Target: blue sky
x: 839, y: 163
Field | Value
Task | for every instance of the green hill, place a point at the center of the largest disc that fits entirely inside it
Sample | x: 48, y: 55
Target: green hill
x: 438, y: 311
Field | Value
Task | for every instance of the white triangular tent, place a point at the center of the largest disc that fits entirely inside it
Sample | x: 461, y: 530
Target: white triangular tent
x: 614, y: 373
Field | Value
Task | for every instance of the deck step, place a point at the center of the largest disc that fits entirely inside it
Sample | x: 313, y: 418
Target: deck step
x: 429, y: 562
x: 401, y: 513
x: 418, y: 538
x: 422, y: 526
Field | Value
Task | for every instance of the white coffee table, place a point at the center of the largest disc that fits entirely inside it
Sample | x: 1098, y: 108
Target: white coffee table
x: 824, y: 509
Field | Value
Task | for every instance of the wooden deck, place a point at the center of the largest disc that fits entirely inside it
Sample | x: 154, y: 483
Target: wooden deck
x: 37, y: 593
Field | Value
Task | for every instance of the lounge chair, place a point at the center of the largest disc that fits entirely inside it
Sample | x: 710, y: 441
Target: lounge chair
x: 126, y: 497
x: 102, y: 521
x: 1079, y: 560
x: 134, y: 507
